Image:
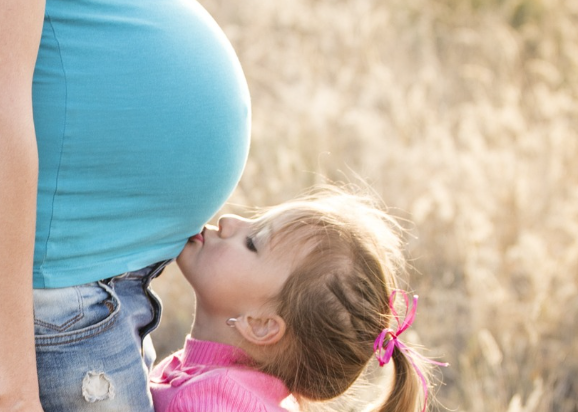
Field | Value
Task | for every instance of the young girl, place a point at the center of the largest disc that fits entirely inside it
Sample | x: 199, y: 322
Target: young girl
x: 294, y: 302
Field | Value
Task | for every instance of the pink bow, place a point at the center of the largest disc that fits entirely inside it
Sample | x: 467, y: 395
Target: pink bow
x: 384, y: 353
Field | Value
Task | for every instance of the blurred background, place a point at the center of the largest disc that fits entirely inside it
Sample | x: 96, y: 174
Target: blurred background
x: 463, y: 116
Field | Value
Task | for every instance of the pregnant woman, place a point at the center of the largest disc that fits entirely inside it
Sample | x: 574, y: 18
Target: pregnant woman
x: 124, y: 127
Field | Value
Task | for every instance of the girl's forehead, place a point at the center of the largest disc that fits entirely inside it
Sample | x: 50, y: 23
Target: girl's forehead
x: 275, y: 223
x: 266, y: 228
x: 281, y: 216
x: 283, y: 235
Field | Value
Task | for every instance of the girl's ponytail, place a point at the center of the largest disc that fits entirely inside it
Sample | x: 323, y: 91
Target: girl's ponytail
x: 405, y: 393
x: 410, y: 377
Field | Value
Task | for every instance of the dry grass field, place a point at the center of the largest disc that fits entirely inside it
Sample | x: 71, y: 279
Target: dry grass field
x: 463, y: 116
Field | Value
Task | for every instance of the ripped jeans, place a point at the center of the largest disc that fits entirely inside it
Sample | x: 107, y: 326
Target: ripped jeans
x: 92, y: 345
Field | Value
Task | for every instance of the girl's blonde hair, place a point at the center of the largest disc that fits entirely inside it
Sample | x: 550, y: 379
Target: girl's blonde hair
x: 336, y: 300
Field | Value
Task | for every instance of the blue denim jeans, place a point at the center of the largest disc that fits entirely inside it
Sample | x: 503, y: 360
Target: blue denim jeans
x: 92, y: 345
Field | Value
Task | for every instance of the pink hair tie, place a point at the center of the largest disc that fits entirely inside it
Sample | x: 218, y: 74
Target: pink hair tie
x: 384, y: 353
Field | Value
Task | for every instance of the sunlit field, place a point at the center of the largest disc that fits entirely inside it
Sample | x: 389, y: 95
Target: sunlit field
x: 463, y: 116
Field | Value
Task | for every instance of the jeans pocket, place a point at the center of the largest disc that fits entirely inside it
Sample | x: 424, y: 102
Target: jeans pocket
x: 74, y: 313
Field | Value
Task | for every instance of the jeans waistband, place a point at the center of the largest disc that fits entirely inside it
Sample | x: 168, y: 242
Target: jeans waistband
x: 146, y: 274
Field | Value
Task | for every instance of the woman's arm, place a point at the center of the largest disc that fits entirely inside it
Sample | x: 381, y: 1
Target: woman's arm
x: 20, y: 29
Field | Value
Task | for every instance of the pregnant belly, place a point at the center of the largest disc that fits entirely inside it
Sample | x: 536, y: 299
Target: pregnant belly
x: 142, y: 115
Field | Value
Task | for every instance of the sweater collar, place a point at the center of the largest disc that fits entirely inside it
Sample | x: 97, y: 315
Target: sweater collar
x: 212, y: 353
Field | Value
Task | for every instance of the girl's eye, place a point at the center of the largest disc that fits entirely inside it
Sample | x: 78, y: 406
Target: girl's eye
x: 250, y: 244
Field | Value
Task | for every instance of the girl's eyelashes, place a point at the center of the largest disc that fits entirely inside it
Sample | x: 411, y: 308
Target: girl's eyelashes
x: 250, y: 244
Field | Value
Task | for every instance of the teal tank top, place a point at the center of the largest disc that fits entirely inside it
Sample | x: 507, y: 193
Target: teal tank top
x: 142, y: 117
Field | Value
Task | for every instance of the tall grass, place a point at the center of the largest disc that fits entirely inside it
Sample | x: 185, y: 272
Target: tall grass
x: 463, y: 116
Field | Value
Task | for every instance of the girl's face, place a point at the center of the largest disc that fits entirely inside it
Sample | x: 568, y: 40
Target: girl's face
x: 232, y: 267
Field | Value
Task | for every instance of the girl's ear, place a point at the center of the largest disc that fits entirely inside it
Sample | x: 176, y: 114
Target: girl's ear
x: 265, y: 330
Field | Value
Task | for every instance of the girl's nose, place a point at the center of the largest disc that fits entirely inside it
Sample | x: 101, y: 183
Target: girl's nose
x: 229, y: 225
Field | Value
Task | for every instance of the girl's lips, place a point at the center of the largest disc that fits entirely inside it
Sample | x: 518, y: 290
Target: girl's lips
x: 199, y: 237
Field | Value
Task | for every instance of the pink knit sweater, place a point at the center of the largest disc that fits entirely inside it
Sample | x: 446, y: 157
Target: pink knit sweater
x: 210, y: 377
